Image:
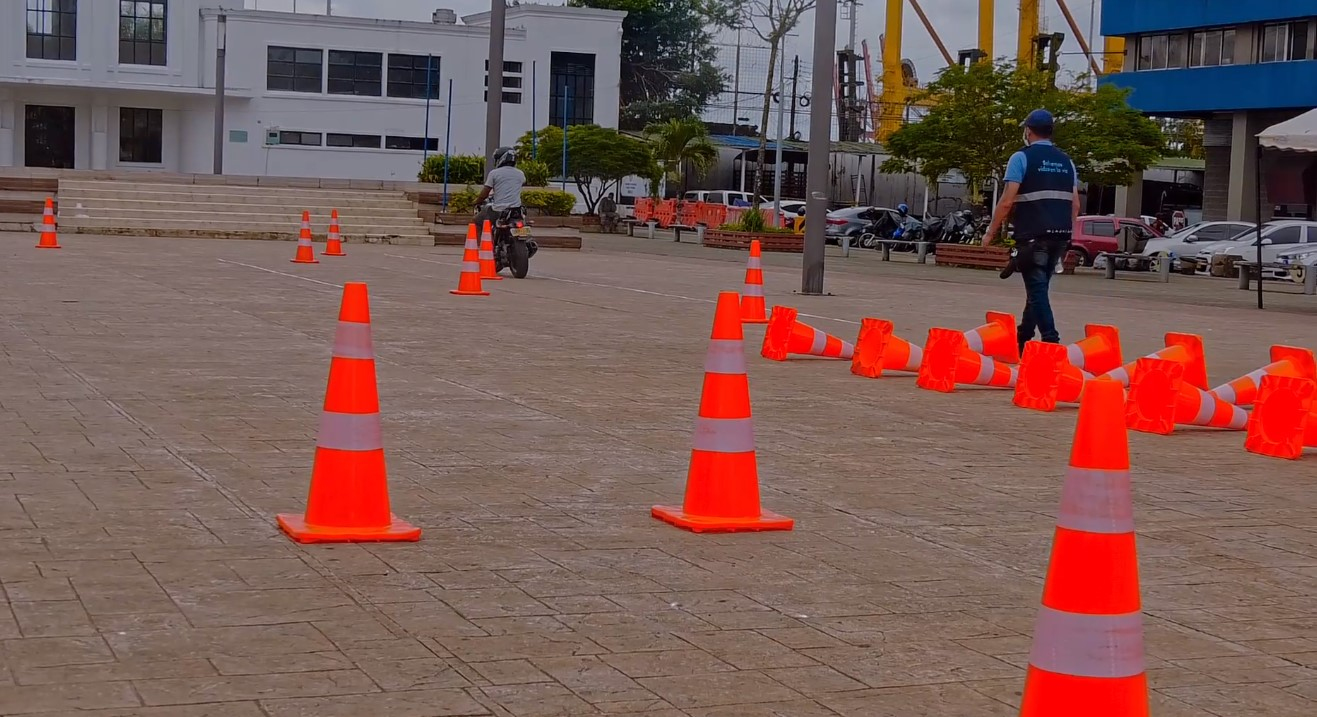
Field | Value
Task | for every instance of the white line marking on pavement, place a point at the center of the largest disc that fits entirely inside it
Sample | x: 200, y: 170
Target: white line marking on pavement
x: 280, y: 273
x: 614, y: 286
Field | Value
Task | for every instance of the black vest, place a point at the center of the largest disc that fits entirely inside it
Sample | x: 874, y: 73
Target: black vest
x: 1045, y: 202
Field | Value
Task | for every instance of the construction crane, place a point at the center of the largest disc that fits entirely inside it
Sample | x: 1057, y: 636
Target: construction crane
x: 899, y: 76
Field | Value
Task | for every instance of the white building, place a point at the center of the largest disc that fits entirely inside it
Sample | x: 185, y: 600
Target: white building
x: 98, y: 84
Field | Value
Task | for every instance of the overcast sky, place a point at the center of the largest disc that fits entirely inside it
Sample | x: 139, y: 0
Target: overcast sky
x: 955, y: 20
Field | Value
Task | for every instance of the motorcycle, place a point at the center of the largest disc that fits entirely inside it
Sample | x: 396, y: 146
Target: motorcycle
x: 513, y: 245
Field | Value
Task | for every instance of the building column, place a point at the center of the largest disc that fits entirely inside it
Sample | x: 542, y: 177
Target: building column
x: 8, y: 119
x: 1241, y: 202
x: 1129, y: 198
x: 100, y: 135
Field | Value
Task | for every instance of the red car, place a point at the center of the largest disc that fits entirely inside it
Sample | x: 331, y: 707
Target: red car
x: 1098, y: 234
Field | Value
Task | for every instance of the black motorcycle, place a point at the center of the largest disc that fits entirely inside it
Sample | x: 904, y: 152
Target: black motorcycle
x: 513, y: 246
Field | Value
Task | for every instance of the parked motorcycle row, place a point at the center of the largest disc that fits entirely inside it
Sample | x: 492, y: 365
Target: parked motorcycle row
x: 958, y: 227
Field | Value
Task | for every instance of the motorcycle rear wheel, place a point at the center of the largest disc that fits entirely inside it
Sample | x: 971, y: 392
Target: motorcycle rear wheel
x: 519, y: 259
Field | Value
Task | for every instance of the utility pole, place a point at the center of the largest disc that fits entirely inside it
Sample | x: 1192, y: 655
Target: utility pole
x: 222, y: 30
x: 736, y: 87
x: 795, y: 100
x: 820, y: 136
x: 781, y: 114
x: 498, y: 15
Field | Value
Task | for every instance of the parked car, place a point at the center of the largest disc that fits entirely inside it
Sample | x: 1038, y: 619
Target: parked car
x: 792, y: 209
x: 851, y: 222
x: 1191, y: 239
x: 1276, y: 237
x: 726, y: 197
x: 1099, y: 234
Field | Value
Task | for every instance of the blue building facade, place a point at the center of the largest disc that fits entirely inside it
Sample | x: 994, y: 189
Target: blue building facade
x: 1238, y: 65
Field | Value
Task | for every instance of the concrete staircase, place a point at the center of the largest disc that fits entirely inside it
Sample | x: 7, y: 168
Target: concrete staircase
x: 22, y: 200
x: 152, y: 207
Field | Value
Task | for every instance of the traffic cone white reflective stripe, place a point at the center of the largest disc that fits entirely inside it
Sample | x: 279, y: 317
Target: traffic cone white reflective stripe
x: 990, y: 368
x: 1218, y: 413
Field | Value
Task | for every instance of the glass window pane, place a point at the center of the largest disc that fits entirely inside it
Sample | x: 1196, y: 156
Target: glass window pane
x: 1298, y: 49
x: 1175, y: 54
x: 1196, y: 49
x: 1228, y: 47
x: 1212, y: 49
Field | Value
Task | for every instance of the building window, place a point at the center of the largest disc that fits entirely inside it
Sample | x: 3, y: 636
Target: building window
x: 1283, y: 42
x: 407, y: 74
x: 509, y: 98
x: 52, y: 29
x: 141, y: 135
x: 509, y: 67
x: 355, y: 73
x: 1209, y: 48
x: 512, y: 79
x: 415, y: 144
x: 1154, y: 52
x: 301, y: 139
x: 360, y: 141
x: 142, y: 33
x: 1176, y: 51
x: 294, y: 69
x: 571, y: 91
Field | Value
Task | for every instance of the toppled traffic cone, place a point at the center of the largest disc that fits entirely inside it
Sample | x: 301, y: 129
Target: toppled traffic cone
x: 949, y: 360
x: 349, y: 499
x: 468, y: 284
x: 1087, y: 658
x: 722, y: 484
x: 785, y: 335
x: 1160, y: 397
x: 1048, y: 371
x: 488, y: 269
x: 1283, y: 422
x: 995, y: 338
x: 753, y: 310
x: 334, y: 243
x: 1285, y: 361
x: 49, y: 237
x: 878, y: 349
x: 1183, y: 348
x: 305, y: 252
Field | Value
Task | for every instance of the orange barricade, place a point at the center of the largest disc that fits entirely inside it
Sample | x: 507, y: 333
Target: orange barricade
x: 666, y: 213
x: 688, y: 213
x: 644, y: 210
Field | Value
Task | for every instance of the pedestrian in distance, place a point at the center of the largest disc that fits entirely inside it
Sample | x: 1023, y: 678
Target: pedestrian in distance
x: 1042, y: 194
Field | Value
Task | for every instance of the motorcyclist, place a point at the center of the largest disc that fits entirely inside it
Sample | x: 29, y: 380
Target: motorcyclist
x: 906, y: 224
x: 502, y: 187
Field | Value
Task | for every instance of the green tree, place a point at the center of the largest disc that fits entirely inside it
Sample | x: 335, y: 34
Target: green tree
x: 1184, y: 137
x: 667, y: 60
x: 973, y: 124
x: 597, y: 158
x: 680, y: 145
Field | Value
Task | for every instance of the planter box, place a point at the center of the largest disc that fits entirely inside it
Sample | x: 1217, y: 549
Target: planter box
x: 972, y: 256
x: 433, y: 215
x: 545, y: 242
x: 719, y: 239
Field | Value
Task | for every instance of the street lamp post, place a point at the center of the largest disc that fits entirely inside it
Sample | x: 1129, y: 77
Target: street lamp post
x: 820, y: 136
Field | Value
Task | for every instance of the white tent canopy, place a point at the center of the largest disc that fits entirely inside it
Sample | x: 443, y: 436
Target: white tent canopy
x: 1296, y: 135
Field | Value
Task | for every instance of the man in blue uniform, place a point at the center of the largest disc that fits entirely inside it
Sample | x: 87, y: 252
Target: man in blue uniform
x: 1042, y: 187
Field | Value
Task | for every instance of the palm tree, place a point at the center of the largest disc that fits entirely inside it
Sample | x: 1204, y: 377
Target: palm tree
x: 679, y: 144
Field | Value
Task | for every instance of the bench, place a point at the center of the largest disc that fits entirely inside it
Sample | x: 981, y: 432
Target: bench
x: 1249, y: 269
x: 921, y: 249
x: 1140, y: 261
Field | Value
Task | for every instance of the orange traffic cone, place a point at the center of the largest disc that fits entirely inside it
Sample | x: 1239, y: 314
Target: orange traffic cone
x: 785, y: 335
x: 487, y: 268
x: 468, y: 283
x: 1050, y: 370
x: 949, y: 360
x: 878, y: 349
x: 1183, y: 348
x: 995, y: 338
x: 334, y: 244
x: 349, y: 500
x: 1285, y: 361
x: 1283, y: 423
x: 1087, y: 658
x: 305, y: 253
x: 722, y: 485
x: 753, y: 310
x: 1160, y: 397
x: 49, y: 238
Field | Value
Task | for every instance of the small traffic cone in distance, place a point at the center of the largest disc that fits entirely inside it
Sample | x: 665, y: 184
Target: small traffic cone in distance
x: 1285, y: 361
x: 786, y: 335
x: 1283, y: 422
x: 722, y: 483
x: 468, y: 283
x: 487, y: 267
x: 349, y: 498
x: 305, y: 252
x: 753, y: 310
x: 49, y: 234
x: 1160, y: 398
x: 879, y: 349
x: 334, y: 242
x: 1087, y: 658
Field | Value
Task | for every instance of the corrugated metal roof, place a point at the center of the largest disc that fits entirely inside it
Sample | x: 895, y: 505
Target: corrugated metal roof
x: 739, y: 142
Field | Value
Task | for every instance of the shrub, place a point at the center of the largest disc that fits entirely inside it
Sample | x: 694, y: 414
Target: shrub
x: 552, y: 202
x: 462, y: 169
x: 463, y: 202
x: 537, y: 172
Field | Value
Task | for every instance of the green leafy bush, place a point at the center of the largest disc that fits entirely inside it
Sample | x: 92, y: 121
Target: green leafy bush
x: 537, y: 172
x: 462, y: 169
x: 552, y: 202
x: 463, y: 202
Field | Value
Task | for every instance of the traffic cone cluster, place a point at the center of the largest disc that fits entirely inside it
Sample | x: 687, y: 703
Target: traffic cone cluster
x: 753, y: 310
x: 334, y: 242
x: 1285, y: 361
x: 980, y: 356
x: 786, y: 335
x: 468, y: 283
x: 1160, y: 398
x: 1049, y: 372
x: 349, y: 497
x: 49, y: 234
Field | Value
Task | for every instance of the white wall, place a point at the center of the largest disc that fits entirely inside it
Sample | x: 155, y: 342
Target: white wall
x: 97, y: 86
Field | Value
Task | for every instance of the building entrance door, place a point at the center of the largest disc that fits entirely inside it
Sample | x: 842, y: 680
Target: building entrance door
x: 48, y: 136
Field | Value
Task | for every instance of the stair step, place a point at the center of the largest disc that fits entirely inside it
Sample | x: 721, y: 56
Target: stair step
x: 141, y: 188
x: 259, y: 214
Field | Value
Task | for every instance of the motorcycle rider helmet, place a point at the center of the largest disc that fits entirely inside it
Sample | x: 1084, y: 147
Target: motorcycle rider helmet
x: 903, y: 209
x: 505, y: 157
